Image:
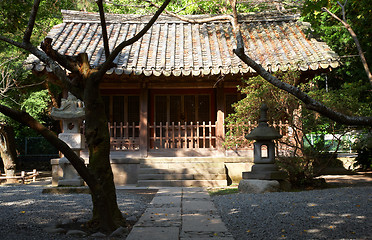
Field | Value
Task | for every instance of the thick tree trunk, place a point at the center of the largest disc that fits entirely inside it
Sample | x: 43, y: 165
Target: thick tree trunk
x: 8, y: 151
x: 106, y: 213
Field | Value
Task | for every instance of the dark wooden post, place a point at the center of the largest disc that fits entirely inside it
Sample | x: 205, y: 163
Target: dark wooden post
x: 143, y: 121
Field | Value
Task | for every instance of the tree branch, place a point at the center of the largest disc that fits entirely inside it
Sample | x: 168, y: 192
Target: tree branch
x: 310, y: 103
x: 354, y: 36
x: 108, y: 63
x: 31, y: 22
x: 104, y: 28
x: 343, y: 9
x: 56, y: 69
x: 65, y: 61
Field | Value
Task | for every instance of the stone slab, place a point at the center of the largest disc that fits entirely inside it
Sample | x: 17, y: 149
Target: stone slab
x: 193, y: 206
x: 193, y: 235
x: 193, y: 189
x: 154, y: 233
x: 71, y: 182
x: 196, y: 195
x: 258, y: 186
x: 172, y: 191
x: 166, y: 201
x: 207, y: 238
x: 160, y: 217
x: 202, y: 223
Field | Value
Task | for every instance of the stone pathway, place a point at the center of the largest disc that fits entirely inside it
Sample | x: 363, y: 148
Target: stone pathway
x: 180, y: 213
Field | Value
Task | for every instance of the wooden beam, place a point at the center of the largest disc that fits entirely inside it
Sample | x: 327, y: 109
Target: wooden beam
x: 220, y: 129
x: 144, y: 121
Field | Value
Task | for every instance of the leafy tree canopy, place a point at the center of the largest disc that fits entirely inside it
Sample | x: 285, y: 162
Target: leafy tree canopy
x: 358, y: 14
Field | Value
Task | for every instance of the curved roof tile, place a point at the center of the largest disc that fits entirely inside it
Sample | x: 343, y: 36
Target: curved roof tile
x: 174, y: 47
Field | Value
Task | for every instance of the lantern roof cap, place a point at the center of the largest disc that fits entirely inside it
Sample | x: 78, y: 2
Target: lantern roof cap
x: 263, y: 131
x: 71, y: 109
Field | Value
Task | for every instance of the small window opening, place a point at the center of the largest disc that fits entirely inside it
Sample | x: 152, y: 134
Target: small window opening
x: 264, y: 151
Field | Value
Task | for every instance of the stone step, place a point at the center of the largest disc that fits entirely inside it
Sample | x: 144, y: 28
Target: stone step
x: 171, y: 176
x: 177, y: 165
x: 182, y: 183
x: 220, y: 170
x: 181, y: 160
x: 166, y: 176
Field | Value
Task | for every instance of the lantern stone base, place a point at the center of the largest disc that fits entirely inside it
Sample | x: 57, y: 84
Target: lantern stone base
x: 70, y: 176
x: 78, y: 182
x: 258, y: 186
x: 265, y: 175
x: 262, y: 186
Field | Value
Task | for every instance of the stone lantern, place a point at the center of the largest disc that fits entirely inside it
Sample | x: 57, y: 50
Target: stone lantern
x: 265, y: 175
x: 72, y: 114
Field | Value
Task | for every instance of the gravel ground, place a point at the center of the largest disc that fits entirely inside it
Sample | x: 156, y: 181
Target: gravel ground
x: 25, y: 211
x: 336, y: 213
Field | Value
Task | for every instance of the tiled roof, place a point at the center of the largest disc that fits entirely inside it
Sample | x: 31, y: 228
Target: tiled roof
x: 174, y: 47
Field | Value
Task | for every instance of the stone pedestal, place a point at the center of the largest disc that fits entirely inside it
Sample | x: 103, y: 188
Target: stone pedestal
x: 70, y: 176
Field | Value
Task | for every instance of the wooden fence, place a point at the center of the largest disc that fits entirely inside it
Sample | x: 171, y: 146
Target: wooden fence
x: 182, y: 135
x: 23, y: 176
x: 125, y: 136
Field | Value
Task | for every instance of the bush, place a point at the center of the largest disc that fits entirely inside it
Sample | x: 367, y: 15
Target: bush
x: 364, y: 149
x: 302, y: 171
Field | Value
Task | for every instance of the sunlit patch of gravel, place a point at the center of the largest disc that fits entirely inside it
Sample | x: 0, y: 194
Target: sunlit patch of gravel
x: 337, y: 213
x: 25, y: 212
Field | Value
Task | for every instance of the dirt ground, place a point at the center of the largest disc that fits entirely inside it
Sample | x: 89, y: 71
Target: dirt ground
x: 350, y: 180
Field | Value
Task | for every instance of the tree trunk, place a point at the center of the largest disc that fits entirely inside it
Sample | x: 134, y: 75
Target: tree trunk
x: 106, y: 213
x: 8, y: 151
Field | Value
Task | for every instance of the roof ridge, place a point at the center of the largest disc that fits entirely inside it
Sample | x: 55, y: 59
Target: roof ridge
x: 267, y: 16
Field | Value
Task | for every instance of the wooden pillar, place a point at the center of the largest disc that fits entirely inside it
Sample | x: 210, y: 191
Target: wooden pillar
x: 144, y: 97
x: 220, y: 128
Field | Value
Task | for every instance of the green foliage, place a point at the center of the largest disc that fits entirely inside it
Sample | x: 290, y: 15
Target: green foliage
x: 184, y: 7
x: 256, y: 90
x: 32, y: 99
x: 37, y: 104
x: 313, y: 157
x: 224, y: 191
x: 300, y: 172
x: 14, y: 15
x: 363, y: 146
x: 359, y: 16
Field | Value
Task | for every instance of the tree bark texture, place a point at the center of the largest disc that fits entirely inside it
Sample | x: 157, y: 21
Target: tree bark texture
x: 106, y: 212
x: 8, y: 151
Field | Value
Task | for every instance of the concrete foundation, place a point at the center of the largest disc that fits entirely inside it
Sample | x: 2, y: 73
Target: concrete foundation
x: 191, y: 170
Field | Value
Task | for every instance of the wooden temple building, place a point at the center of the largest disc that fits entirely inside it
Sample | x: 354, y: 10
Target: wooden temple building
x: 168, y: 96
